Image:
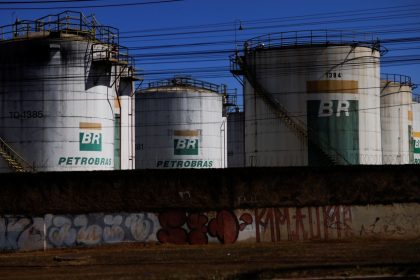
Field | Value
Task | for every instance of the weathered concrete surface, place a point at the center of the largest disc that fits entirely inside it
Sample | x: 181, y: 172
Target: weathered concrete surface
x: 158, y: 190
x: 357, y: 259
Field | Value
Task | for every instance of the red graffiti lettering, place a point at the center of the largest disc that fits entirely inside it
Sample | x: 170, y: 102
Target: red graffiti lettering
x: 307, y: 223
x: 198, y: 230
x: 172, y: 219
x: 314, y: 235
x: 331, y: 221
x: 246, y: 219
x: 299, y: 217
x: 225, y: 227
x: 173, y: 236
x: 347, y: 221
x: 272, y: 219
x: 172, y: 231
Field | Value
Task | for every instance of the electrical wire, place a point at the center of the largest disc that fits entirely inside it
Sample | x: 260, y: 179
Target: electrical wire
x: 221, y: 71
x: 43, y: 2
x: 94, y: 6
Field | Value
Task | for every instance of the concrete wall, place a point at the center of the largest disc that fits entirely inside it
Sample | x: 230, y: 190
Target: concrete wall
x: 398, y: 221
x: 206, y: 190
x: 65, y: 209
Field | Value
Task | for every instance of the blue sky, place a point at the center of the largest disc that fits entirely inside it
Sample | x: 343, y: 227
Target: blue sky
x: 204, y: 18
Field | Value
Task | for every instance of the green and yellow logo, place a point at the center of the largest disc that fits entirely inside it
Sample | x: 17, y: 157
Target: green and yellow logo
x: 416, y: 144
x: 186, y: 142
x: 90, y: 139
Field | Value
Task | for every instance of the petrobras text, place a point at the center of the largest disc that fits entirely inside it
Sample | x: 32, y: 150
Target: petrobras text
x: 184, y: 163
x: 79, y: 161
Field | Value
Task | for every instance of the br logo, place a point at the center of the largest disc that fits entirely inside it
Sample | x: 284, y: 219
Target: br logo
x: 90, y: 141
x: 334, y: 108
x: 186, y: 146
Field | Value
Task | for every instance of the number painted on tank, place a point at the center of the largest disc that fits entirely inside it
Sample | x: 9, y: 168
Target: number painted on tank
x: 26, y: 115
x: 333, y: 75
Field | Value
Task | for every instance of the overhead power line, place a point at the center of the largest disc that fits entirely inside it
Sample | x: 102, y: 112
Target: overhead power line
x: 93, y: 6
x: 42, y: 2
x: 213, y: 53
x: 393, y: 10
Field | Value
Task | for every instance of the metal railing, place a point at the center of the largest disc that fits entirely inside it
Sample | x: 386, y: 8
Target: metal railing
x: 69, y: 22
x: 231, y: 98
x: 111, y: 52
x: 116, y: 54
x: 297, y: 126
x: 187, y: 81
x: 13, y: 159
x: 397, y: 78
x: 313, y: 37
x: 105, y: 39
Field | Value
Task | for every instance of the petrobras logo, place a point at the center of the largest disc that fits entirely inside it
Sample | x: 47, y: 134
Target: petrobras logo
x: 186, y: 142
x: 90, y: 137
x: 199, y: 163
x: 186, y: 146
x: 416, y: 146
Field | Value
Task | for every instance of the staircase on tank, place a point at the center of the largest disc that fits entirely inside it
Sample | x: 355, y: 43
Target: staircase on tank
x: 330, y: 156
x: 13, y: 159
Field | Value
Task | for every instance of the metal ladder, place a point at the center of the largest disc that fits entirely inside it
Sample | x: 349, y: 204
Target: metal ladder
x: 332, y: 157
x: 13, y: 159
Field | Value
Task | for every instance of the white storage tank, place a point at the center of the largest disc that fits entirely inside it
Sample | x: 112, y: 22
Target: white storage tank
x: 311, y: 98
x: 416, y: 128
x: 396, y: 119
x: 180, y: 124
x: 236, y: 139
x: 60, y: 78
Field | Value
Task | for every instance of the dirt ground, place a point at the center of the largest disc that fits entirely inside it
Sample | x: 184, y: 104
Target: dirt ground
x: 283, y: 260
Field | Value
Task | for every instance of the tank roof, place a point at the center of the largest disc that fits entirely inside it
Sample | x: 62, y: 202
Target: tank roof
x: 397, y: 78
x: 67, y: 22
x: 313, y: 38
x: 187, y: 82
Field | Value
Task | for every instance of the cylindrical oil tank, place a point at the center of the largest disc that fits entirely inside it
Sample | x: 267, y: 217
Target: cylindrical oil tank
x: 180, y: 124
x: 416, y: 128
x: 311, y: 98
x: 396, y: 119
x: 236, y: 139
x: 58, y: 94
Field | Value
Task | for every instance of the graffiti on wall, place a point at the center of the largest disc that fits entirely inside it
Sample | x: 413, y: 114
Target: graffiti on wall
x: 18, y: 232
x: 180, y: 227
x: 392, y: 226
x: 310, y: 223
x: 28, y: 233
x: 93, y: 229
x: 21, y: 233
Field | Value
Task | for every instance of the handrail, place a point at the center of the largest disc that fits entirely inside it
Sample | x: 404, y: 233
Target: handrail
x: 75, y: 23
x: 66, y: 22
x: 313, y: 37
x: 23, y: 165
x: 187, y: 81
x: 397, y: 78
x: 231, y: 98
x: 114, y: 53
